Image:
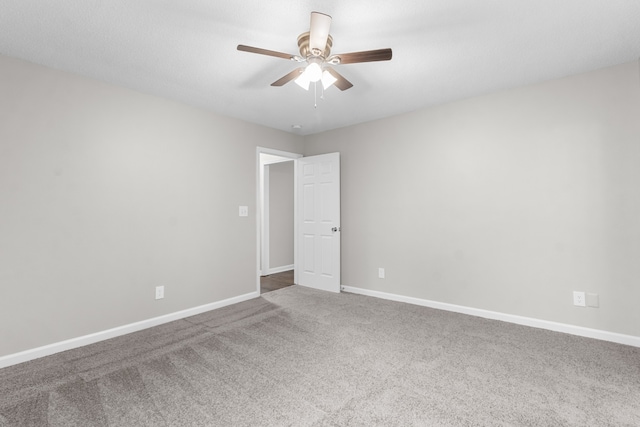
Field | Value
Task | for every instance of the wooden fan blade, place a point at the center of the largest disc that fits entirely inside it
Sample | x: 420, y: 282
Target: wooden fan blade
x: 341, y: 83
x: 286, y: 79
x: 319, y: 32
x: 365, y: 56
x: 267, y: 52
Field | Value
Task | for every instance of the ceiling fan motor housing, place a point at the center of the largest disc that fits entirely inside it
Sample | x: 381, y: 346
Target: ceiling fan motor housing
x: 305, y: 51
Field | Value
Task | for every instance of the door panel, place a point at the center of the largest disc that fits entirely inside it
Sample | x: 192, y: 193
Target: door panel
x: 308, y: 200
x: 309, y: 256
x: 319, y: 221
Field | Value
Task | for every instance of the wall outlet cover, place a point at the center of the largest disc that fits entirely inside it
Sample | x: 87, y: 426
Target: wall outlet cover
x: 159, y: 292
x: 579, y: 299
x: 593, y: 300
x: 381, y: 273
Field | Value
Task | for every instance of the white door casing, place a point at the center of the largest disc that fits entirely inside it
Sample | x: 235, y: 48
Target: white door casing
x: 260, y: 226
x: 318, y: 234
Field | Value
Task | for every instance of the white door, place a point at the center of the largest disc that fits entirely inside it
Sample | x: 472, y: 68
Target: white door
x: 318, y: 260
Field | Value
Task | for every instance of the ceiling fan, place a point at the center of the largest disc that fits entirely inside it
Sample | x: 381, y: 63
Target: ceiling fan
x: 315, y: 49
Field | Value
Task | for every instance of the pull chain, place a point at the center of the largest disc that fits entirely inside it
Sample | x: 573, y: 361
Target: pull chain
x: 315, y: 94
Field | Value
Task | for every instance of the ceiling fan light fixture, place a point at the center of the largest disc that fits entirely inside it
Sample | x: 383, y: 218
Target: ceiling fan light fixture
x: 313, y: 71
x: 311, y: 74
x: 303, y: 80
x: 327, y: 79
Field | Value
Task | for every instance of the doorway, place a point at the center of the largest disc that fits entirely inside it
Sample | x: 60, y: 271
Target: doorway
x: 275, y: 219
x: 316, y: 214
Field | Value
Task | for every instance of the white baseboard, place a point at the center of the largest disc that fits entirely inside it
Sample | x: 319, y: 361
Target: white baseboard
x: 520, y: 320
x: 47, y: 350
x: 275, y: 270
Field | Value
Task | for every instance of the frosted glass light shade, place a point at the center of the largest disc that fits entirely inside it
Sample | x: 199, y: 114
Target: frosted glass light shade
x: 303, y: 80
x: 327, y: 79
x: 313, y: 71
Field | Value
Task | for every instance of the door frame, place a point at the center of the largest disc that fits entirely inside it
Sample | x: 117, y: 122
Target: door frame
x: 259, y: 207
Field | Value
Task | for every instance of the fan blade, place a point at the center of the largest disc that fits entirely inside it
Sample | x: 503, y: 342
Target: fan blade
x: 252, y: 49
x: 286, y: 79
x: 341, y: 83
x: 365, y: 56
x: 319, y: 32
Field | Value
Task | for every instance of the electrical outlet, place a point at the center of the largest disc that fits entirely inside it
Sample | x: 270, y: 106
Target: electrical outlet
x: 159, y: 292
x: 579, y: 299
x: 381, y: 273
x: 243, y: 211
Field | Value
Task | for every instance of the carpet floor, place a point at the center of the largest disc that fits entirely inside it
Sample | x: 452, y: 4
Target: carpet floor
x: 302, y: 357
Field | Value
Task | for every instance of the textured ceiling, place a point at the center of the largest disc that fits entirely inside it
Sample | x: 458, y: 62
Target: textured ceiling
x: 443, y: 50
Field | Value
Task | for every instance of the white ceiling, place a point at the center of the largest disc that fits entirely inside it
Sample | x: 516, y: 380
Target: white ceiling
x: 443, y: 50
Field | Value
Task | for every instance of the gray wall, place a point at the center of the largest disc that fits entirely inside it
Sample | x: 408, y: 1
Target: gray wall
x: 506, y: 202
x: 106, y: 193
x: 281, y: 214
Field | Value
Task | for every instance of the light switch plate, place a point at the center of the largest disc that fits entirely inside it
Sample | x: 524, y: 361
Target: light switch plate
x: 243, y: 211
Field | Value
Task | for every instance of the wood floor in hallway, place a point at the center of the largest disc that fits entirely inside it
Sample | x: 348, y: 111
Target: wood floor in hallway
x: 276, y: 281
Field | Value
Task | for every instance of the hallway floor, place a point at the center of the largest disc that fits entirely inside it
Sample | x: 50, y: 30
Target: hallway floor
x: 273, y: 282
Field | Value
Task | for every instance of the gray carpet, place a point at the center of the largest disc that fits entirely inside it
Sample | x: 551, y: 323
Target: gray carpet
x: 302, y: 357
